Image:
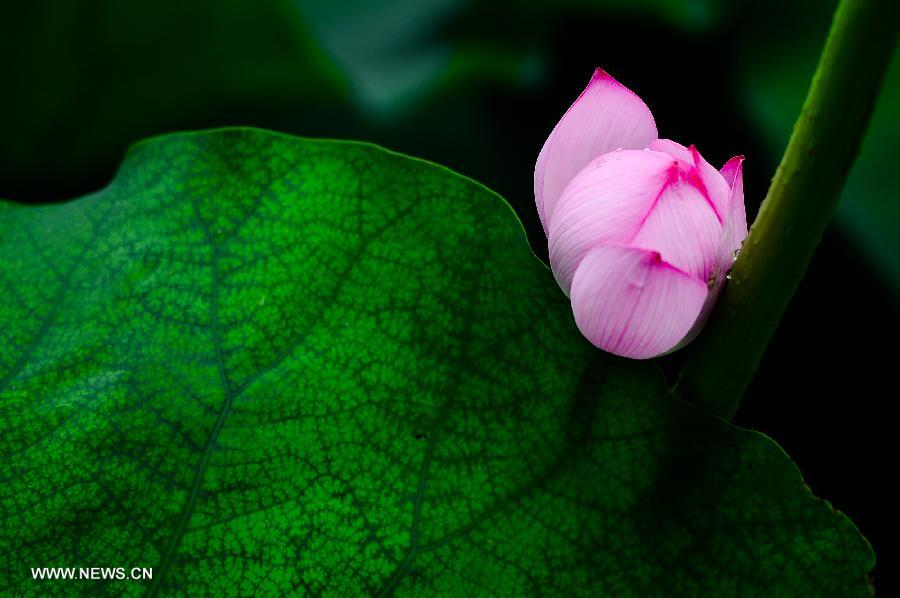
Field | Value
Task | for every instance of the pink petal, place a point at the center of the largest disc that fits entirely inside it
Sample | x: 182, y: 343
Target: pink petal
x: 733, y: 174
x: 674, y: 149
x: 637, y: 198
x: 606, y: 116
x: 607, y: 202
x: 717, y: 188
x: 683, y: 227
x: 629, y: 302
x: 732, y: 169
x: 733, y: 234
x: 708, y: 178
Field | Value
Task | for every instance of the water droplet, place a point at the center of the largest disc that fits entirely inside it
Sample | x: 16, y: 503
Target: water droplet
x: 728, y: 276
x: 735, y: 254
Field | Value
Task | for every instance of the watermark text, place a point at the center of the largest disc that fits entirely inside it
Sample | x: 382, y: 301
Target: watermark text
x: 93, y: 573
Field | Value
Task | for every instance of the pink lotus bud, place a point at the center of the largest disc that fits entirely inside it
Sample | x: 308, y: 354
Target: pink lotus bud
x: 642, y: 231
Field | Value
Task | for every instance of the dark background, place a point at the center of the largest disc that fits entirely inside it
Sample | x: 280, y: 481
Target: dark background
x: 478, y: 86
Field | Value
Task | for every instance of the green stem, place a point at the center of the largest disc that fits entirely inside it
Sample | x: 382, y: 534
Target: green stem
x: 798, y: 207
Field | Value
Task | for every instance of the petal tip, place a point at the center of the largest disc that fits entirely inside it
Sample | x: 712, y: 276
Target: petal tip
x: 695, y: 154
x: 732, y: 169
x: 735, y: 161
x: 601, y: 75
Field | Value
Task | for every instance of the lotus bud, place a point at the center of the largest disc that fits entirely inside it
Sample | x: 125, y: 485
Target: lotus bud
x: 642, y: 231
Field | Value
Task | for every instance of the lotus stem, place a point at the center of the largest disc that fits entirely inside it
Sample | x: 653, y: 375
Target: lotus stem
x: 798, y: 207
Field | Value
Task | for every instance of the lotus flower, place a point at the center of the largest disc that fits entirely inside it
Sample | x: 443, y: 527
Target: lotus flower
x: 642, y: 231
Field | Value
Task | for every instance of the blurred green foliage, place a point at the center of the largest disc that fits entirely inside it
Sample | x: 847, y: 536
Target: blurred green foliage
x: 689, y: 15
x: 776, y: 74
x: 85, y: 80
x: 394, y: 53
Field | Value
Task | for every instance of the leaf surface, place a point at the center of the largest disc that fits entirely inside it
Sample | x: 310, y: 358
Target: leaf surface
x: 267, y: 365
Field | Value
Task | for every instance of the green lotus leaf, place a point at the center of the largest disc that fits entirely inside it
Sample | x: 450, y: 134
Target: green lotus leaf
x: 263, y: 365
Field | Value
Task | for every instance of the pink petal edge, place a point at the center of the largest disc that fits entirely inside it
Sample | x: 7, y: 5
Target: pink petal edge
x: 736, y: 225
x: 733, y: 234
x: 716, y: 187
x: 674, y: 149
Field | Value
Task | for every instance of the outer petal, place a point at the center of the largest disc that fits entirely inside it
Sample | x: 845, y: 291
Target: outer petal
x: 607, y: 203
x: 733, y: 174
x: 606, y: 116
x: 732, y: 169
x: 629, y: 302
